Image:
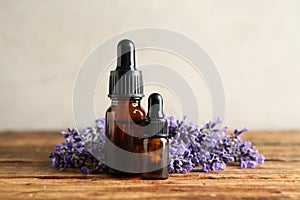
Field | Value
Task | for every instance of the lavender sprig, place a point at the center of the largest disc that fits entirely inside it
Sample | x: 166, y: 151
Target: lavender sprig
x: 192, y: 148
x: 208, y: 148
x: 73, y: 152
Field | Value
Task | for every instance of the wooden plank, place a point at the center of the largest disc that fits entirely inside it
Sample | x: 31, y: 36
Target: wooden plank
x: 30, y: 138
x: 189, y: 186
x: 25, y: 174
x: 273, y: 137
x: 270, y: 170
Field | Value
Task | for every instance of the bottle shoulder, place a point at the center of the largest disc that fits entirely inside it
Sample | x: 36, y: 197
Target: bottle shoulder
x: 109, y: 109
x: 124, y: 111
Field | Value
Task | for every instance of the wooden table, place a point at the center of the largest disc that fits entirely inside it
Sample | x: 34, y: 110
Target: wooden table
x: 25, y: 174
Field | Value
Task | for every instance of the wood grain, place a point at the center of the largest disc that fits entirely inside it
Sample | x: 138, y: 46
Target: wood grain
x: 25, y: 174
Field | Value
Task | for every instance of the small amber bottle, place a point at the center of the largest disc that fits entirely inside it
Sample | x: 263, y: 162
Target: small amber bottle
x: 125, y: 116
x: 155, y: 142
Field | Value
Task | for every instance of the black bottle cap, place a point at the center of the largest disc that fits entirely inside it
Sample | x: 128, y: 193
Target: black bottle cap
x: 126, y: 81
x: 126, y: 55
x: 158, y: 124
x: 155, y: 106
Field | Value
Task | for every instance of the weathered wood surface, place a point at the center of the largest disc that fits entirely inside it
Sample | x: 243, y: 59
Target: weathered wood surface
x: 25, y: 174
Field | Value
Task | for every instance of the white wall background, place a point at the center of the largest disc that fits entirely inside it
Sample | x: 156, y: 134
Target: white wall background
x: 254, y: 44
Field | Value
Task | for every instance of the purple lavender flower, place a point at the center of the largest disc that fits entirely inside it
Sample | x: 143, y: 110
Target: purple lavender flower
x: 252, y: 164
x: 84, y: 170
x: 72, y: 153
x: 209, y: 148
x: 57, y: 147
x: 260, y: 159
x: 54, y: 160
x: 100, y: 123
x: 244, y: 164
x: 192, y: 148
x: 218, y: 166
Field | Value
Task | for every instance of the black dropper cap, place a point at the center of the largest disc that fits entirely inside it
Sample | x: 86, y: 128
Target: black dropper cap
x: 126, y: 55
x: 158, y: 124
x: 155, y: 106
x: 126, y: 81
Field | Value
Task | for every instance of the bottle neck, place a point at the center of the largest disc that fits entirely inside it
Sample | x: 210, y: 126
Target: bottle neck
x: 135, y: 102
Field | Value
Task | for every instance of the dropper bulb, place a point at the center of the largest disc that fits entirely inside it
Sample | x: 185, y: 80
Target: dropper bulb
x: 126, y: 55
x: 155, y: 106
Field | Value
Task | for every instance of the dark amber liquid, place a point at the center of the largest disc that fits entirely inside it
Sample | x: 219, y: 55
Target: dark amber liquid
x: 157, y: 153
x: 123, y: 118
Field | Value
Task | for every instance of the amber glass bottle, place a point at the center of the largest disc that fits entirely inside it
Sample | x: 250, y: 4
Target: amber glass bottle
x: 157, y: 152
x: 125, y: 116
x: 155, y: 142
